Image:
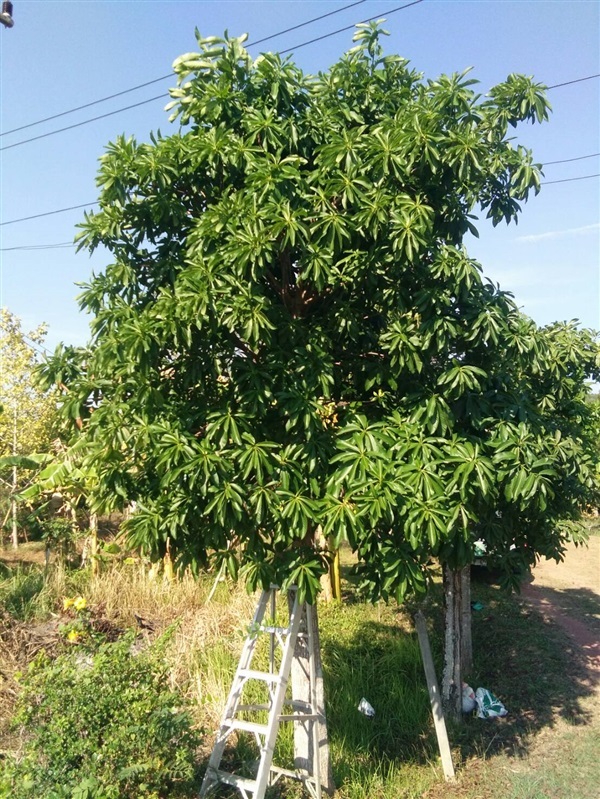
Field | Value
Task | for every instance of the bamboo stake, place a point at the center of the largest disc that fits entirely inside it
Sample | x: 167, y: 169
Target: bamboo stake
x: 434, y: 698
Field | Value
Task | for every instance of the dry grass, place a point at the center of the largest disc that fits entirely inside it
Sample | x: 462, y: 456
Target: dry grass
x: 204, y: 637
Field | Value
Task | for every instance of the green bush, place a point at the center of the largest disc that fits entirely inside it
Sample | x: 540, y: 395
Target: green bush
x: 100, y: 725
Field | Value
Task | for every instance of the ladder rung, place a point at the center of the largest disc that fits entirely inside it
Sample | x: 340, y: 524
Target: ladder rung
x: 266, y: 676
x: 233, y: 779
x: 247, y: 726
x: 245, y: 708
x: 298, y: 774
x: 280, y: 630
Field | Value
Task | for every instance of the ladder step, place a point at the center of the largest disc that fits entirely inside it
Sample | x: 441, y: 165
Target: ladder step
x: 233, y: 779
x: 247, y: 726
x: 265, y: 676
x: 280, y: 630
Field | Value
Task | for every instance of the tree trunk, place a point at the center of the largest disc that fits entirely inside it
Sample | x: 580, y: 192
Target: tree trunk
x: 304, y: 732
x: 326, y: 581
x: 13, y: 507
x: 94, y: 542
x: 168, y: 570
x: 334, y: 570
x: 466, y: 653
x: 452, y: 675
x: 13, y: 501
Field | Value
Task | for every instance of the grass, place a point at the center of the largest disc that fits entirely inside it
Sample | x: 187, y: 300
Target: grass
x: 368, y: 651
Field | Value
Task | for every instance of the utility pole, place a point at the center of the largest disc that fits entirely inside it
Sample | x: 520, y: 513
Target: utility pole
x: 6, y: 17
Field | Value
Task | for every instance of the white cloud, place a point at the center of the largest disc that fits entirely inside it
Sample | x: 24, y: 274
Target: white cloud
x: 557, y: 234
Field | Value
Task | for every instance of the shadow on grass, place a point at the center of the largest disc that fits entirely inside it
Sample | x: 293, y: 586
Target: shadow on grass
x: 520, y: 654
x: 532, y: 665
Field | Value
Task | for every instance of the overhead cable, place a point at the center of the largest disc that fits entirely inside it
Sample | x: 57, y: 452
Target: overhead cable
x: 568, y: 160
x: 350, y: 27
x: 569, y: 180
x: 60, y: 246
x: 88, y: 205
x: 79, y: 124
x: 49, y: 213
x: 158, y: 97
x: 570, y: 82
x: 170, y: 75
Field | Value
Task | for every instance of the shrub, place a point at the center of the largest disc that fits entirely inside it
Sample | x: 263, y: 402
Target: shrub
x: 101, y: 725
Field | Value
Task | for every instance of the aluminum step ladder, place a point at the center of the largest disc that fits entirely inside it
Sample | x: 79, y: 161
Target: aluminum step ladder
x: 276, y: 680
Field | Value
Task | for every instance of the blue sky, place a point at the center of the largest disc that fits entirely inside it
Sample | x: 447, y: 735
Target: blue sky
x: 64, y: 54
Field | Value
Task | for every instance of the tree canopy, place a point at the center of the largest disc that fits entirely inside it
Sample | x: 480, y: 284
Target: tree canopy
x: 291, y: 333
x: 28, y: 415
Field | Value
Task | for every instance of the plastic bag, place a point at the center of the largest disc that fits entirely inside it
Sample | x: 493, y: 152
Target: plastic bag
x: 366, y: 708
x: 469, y: 703
x: 489, y: 706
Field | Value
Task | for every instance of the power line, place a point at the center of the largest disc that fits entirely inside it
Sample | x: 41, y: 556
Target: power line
x: 287, y: 50
x: 158, y: 97
x: 568, y: 160
x: 87, y: 205
x: 49, y: 213
x: 570, y: 82
x: 350, y: 27
x: 170, y: 75
x: 569, y: 180
x: 79, y: 124
x: 86, y: 105
x: 35, y: 345
x: 60, y: 246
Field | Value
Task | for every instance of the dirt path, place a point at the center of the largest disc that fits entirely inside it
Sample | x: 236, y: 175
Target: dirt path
x: 568, y: 593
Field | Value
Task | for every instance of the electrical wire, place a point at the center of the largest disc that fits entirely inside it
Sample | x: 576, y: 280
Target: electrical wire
x: 79, y: 124
x: 170, y: 75
x: 87, y: 205
x: 282, y: 52
x: 158, y: 97
x: 568, y: 160
x: 569, y: 180
x: 577, y: 80
x: 351, y: 27
x: 49, y: 213
x: 60, y: 246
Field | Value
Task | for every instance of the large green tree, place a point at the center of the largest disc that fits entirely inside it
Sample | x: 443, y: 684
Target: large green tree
x: 291, y: 333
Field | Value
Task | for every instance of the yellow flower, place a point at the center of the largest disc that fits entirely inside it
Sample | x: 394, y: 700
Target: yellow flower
x: 73, y: 636
x: 79, y: 603
x: 67, y: 603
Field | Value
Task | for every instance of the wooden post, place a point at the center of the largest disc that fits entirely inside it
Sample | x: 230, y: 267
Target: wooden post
x: 307, y: 658
x: 434, y: 698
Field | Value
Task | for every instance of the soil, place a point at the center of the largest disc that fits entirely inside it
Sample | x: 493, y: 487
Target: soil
x: 557, y: 587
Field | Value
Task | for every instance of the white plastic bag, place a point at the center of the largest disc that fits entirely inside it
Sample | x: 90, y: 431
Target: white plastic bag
x: 469, y: 703
x: 366, y: 708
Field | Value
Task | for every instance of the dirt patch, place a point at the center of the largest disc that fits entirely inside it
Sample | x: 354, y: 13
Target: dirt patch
x: 568, y: 594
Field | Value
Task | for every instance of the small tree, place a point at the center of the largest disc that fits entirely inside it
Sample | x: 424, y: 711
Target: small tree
x: 28, y: 414
x: 292, y: 335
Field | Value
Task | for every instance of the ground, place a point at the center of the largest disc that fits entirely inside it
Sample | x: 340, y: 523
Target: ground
x: 547, y: 750
x: 567, y: 593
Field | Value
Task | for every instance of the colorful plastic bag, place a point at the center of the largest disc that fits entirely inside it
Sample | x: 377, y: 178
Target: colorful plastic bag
x: 489, y: 706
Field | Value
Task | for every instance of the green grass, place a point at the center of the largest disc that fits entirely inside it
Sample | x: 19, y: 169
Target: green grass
x: 544, y: 749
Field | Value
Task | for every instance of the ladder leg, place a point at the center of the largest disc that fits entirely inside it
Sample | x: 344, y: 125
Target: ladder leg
x: 266, y: 760
x: 211, y: 778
